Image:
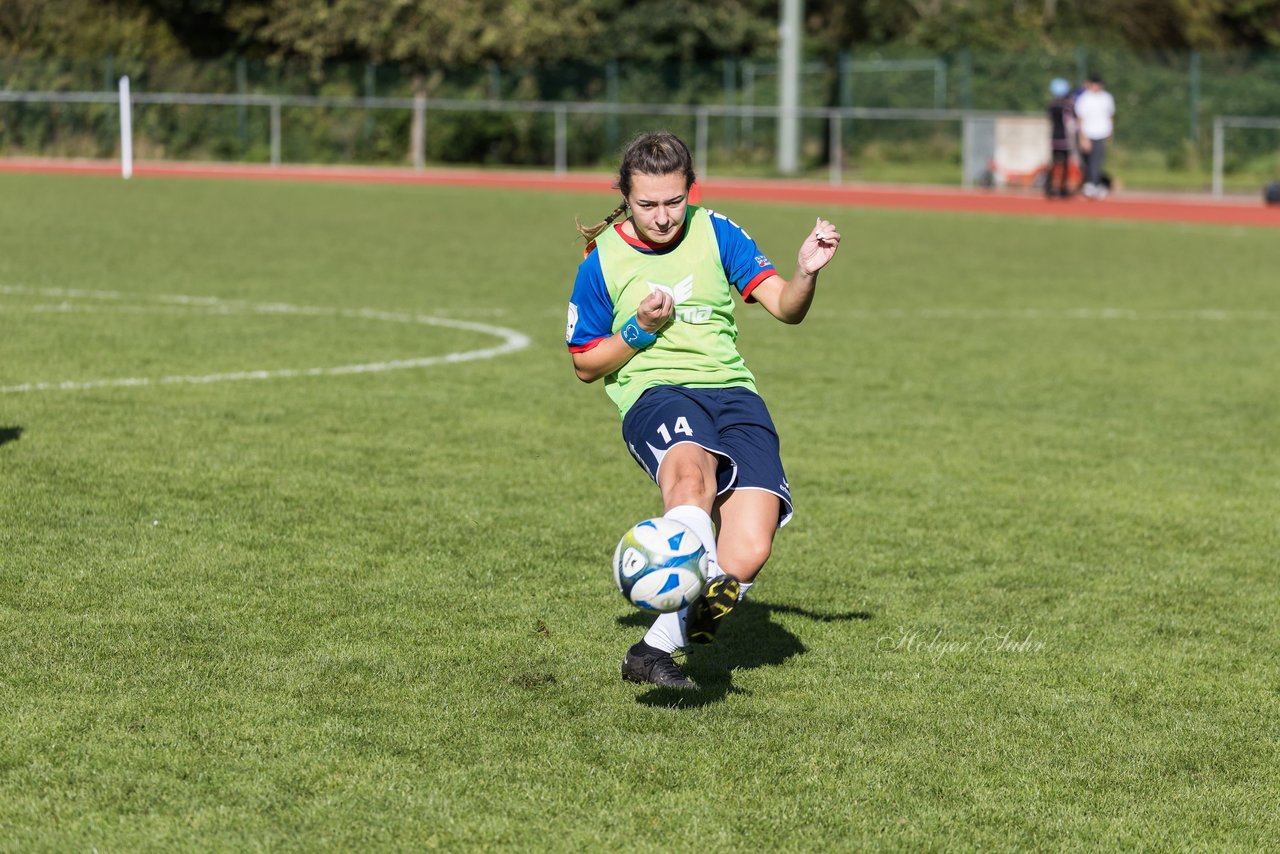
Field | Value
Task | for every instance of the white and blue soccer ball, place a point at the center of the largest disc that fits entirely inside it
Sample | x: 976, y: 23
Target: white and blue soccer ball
x: 660, y: 565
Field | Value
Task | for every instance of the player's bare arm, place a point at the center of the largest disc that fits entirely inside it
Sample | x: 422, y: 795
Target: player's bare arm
x: 789, y: 300
x: 654, y: 312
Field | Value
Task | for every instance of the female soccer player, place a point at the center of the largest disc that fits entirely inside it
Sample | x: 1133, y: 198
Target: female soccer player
x: 652, y: 314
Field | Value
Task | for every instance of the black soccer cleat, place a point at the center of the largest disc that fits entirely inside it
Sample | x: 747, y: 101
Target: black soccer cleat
x: 645, y: 664
x: 710, y: 608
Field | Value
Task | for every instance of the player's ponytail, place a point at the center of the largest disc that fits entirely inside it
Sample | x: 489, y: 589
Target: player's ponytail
x: 591, y: 232
x: 653, y: 153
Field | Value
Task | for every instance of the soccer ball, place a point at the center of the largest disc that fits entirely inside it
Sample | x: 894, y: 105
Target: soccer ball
x: 660, y: 565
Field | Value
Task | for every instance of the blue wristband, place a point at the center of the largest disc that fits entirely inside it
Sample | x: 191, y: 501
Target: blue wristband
x: 636, y: 338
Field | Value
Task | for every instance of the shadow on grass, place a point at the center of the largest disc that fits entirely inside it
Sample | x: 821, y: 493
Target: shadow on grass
x: 748, y: 639
x: 10, y: 434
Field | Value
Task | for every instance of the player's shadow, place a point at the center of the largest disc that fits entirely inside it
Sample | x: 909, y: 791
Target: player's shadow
x: 748, y: 639
x: 10, y: 434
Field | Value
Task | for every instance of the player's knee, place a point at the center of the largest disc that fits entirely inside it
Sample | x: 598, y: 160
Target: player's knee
x: 689, y: 476
x: 758, y: 554
x: 690, y: 482
x: 746, y: 555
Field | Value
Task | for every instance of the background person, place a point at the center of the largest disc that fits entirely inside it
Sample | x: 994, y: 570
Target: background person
x: 652, y: 315
x: 1062, y: 128
x: 1095, y: 112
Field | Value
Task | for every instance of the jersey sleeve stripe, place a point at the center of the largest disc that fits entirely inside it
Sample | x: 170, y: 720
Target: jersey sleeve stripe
x: 751, y: 285
x: 582, y: 348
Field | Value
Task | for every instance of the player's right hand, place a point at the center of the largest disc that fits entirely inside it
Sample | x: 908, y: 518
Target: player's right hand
x: 655, y: 311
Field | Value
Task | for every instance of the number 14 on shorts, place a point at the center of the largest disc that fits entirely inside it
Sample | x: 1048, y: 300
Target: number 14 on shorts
x: 680, y: 427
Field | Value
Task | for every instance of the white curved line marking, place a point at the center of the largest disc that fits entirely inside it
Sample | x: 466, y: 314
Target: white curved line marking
x: 1202, y: 314
x: 512, y: 340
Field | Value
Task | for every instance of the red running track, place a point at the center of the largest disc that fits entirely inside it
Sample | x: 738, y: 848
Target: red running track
x: 1126, y: 206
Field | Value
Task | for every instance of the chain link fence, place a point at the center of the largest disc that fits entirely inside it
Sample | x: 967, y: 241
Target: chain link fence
x: 875, y: 115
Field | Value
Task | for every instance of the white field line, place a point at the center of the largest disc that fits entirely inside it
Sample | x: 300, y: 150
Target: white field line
x: 1106, y: 314
x: 512, y: 340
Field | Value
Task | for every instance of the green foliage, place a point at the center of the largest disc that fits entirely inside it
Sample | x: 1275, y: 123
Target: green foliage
x: 427, y: 33
x: 81, y: 29
x: 1166, y: 104
x: 686, y: 30
x: 985, y: 55
x: 1002, y: 25
x: 422, y: 33
x: 373, y: 611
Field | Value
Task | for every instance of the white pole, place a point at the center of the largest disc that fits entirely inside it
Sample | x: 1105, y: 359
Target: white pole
x: 275, y: 132
x: 418, y: 132
x: 836, y: 144
x: 790, y: 36
x: 702, y: 142
x: 562, y: 141
x: 967, y: 158
x: 126, y: 130
x: 1218, y: 156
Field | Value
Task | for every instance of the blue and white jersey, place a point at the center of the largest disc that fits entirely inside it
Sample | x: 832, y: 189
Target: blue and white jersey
x: 591, y: 310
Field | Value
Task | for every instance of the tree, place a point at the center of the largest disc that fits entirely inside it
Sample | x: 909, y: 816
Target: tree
x: 85, y: 29
x: 415, y: 32
x: 440, y: 33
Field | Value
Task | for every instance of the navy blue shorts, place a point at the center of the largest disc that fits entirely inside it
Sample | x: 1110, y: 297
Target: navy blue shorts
x: 732, y: 423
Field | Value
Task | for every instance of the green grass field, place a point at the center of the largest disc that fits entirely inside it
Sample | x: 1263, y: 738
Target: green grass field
x: 1029, y: 599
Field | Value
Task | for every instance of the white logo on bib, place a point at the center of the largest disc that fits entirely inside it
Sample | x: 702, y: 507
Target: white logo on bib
x: 572, y: 323
x: 680, y: 292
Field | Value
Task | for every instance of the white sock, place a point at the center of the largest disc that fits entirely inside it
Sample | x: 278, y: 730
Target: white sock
x: 698, y: 521
x: 667, y: 632
x: 743, y: 587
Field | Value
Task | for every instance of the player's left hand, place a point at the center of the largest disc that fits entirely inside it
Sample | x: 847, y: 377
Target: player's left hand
x: 819, y: 247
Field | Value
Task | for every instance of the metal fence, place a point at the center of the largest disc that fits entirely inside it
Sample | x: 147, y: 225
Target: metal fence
x: 1220, y: 126
x: 969, y: 128
x: 837, y: 121
x: 1170, y: 94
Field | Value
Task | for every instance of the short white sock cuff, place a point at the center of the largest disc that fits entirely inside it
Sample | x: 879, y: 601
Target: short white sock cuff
x: 743, y: 587
x: 667, y: 632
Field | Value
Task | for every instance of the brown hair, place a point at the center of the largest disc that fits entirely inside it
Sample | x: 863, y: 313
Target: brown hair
x: 653, y: 153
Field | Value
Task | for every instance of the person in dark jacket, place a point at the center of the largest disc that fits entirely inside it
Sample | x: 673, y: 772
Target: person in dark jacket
x: 1062, y: 127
